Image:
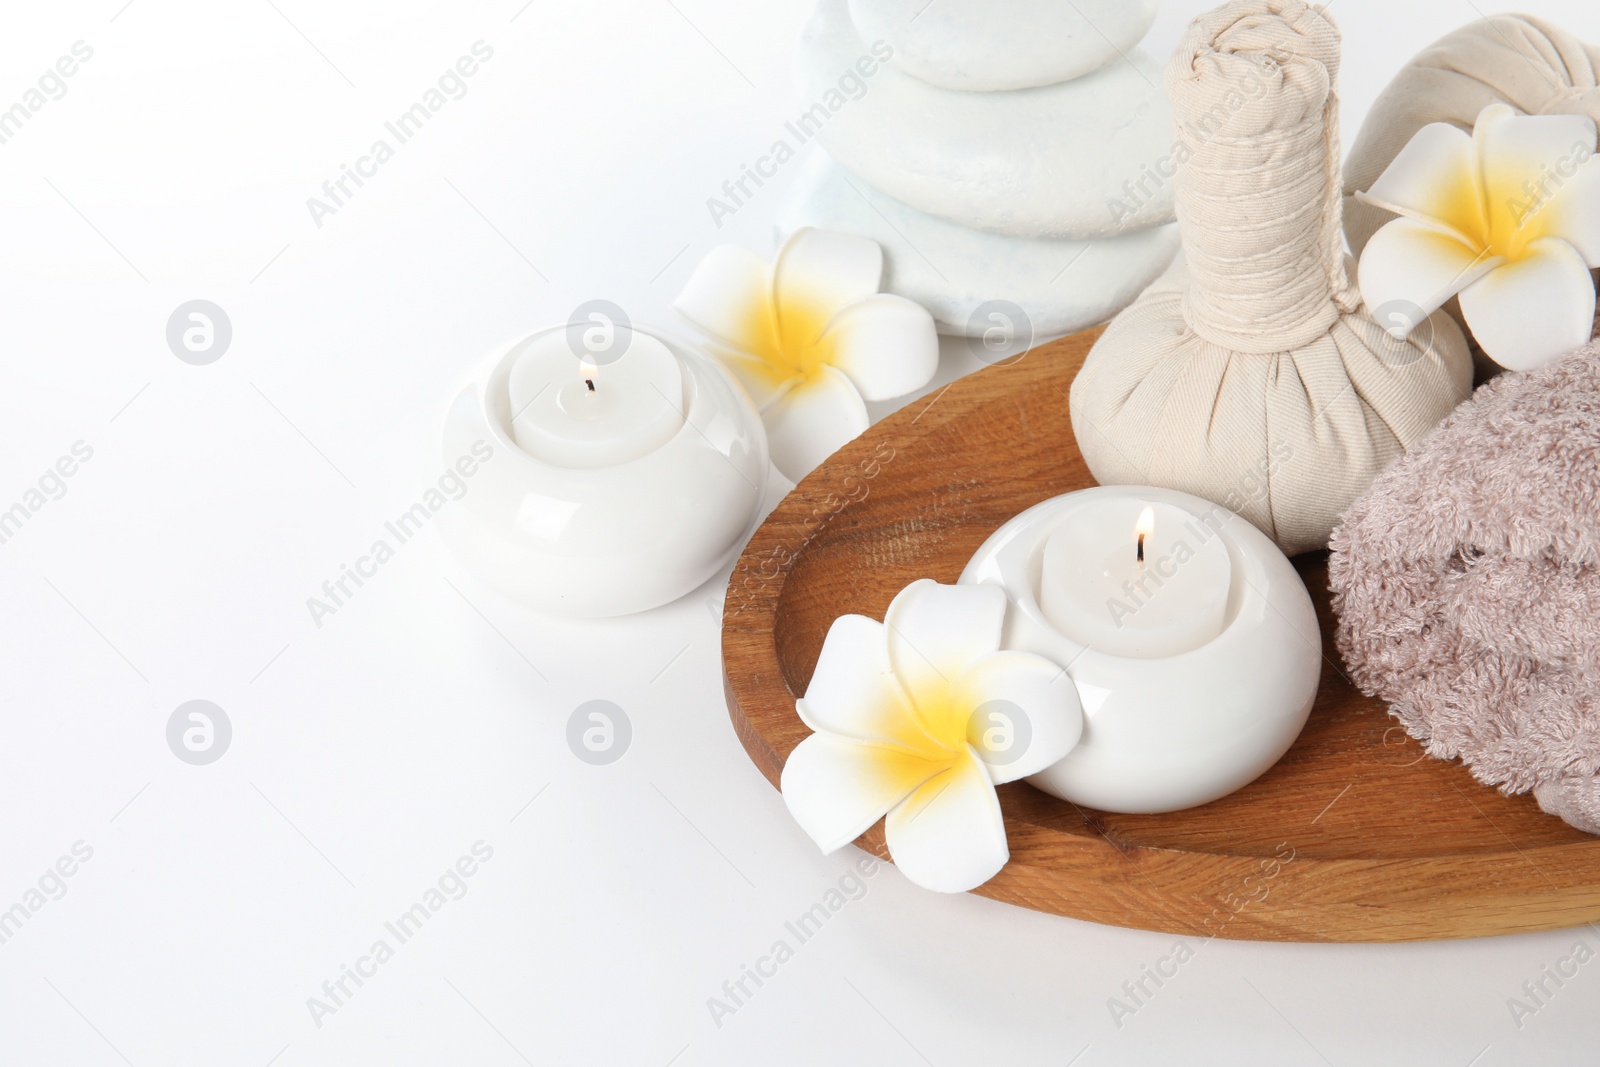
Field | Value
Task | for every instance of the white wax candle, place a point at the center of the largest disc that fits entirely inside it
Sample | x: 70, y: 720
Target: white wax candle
x: 1161, y: 731
x: 570, y: 412
x: 1095, y: 588
x: 546, y: 526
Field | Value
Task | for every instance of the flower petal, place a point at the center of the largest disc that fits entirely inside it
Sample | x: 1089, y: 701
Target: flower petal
x: 853, y: 691
x: 1573, y: 213
x: 949, y: 835
x: 1434, y: 180
x: 812, y: 420
x: 936, y: 634
x: 1533, y: 310
x: 1026, y: 714
x: 729, y: 297
x: 885, y: 344
x: 825, y: 270
x: 1521, y: 159
x: 1408, y: 270
x: 764, y: 381
x: 836, y: 789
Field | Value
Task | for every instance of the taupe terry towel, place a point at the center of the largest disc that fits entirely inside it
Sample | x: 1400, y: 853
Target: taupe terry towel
x: 1467, y: 586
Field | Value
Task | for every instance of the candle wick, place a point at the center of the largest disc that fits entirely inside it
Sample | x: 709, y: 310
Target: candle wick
x: 590, y: 383
x: 1139, y: 552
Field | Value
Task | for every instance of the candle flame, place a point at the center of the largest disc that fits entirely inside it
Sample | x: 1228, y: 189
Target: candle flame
x: 1142, y: 529
x: 1146, y: 524
x: 587, y: 369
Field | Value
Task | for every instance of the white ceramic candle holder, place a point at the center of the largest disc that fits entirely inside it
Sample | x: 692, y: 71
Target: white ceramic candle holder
x: 1170, y: 732
x: 606, y: 540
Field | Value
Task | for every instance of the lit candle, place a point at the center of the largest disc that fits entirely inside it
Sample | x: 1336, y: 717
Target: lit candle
x: 1135, y: 578
x: 603, y: 479
x: 1196, y: 667
x: 570, y: 411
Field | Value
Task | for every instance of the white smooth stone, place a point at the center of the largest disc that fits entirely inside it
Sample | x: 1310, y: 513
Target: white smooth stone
x: 1062, y: 285
x: 1165, y: 734
x: 982, y: 45
x: 1048, y: 162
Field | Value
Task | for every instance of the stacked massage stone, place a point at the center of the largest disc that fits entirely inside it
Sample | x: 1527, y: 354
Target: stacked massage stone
x: 1007, y: 151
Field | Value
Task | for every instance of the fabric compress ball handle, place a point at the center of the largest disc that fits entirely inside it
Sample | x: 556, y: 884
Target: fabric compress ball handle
x: 1257, y: 198
x: 1250, y: 374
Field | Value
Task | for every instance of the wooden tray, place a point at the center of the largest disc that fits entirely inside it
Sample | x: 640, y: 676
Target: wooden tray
x: 1355, y: 835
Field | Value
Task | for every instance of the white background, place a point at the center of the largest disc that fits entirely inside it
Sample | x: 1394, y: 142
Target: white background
x: 370, y: 753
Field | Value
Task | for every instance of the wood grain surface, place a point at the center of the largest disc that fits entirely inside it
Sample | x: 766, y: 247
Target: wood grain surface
x: 1355, y: 835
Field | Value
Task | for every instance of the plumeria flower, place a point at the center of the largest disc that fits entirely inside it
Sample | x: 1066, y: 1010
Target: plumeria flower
x: 1508, y: 217
x: 811, y: 338
x: 919, y: 717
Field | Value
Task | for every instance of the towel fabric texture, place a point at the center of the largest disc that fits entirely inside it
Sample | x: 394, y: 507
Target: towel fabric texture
x: 1467, y: 586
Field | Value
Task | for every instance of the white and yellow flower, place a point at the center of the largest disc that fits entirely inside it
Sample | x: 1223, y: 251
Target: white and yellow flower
x: 1507, y: 217
x: 918, y: 718
x: 811, y: 338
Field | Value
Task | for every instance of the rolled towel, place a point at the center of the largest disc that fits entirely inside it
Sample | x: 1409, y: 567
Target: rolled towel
x: 1467, y: 587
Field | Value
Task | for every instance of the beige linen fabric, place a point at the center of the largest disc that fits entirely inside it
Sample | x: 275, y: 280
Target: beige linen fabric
x: 1537, y: 68
x: 1250, y: 374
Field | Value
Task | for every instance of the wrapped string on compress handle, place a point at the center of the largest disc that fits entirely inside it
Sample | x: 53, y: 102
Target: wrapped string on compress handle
x: 1258, y: 196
